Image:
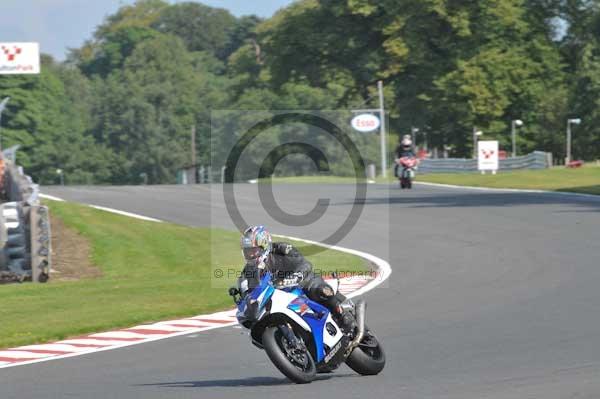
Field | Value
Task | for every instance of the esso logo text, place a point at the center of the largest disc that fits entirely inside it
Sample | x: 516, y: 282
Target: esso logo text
x: 365, y: 123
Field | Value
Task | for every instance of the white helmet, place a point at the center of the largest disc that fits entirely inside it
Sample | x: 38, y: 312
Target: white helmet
x: 406, y: 141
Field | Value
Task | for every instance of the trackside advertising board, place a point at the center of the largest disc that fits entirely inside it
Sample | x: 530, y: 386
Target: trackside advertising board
x: 487, y: 155
x: 19, y: 58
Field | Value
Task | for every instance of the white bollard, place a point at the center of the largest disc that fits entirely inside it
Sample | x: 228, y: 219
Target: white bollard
x: 371, y: 171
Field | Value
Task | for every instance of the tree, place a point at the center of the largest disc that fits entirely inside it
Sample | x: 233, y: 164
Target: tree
x: 115, y: 39
x: 147, y: 109
x: 127, y: 99
x: 581, y: 51
x: 241, y: 33
x: 48, y: 121
x: 114, y: 50
x: 201, y: 28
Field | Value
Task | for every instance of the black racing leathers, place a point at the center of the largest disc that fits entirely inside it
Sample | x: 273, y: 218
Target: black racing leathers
x: 404, y: 151
x: 285, y: 262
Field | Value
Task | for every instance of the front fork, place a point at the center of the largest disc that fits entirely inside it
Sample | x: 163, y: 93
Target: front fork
x: 295, y: 348
x: 288, y: 333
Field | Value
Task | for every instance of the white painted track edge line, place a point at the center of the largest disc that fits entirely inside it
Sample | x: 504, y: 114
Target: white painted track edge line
x: 51, y: 197
x: 513, y: 190
x: 385, y: 269
x: 123, y: 213
x: 384, y: 273
x: 125, y: 344
x: 106, y: 209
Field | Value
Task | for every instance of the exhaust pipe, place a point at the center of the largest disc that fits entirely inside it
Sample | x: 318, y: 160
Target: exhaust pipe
x: 360, y: 311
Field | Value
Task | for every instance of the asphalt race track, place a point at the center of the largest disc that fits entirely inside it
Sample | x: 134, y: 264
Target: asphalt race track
x: 492, y: 295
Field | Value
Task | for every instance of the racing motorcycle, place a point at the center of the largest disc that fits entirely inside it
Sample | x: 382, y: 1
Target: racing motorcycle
x: 408, y: 165
x: 300, y: 336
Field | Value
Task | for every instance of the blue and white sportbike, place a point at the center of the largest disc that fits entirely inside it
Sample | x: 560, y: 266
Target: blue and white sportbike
x: 300, y: 336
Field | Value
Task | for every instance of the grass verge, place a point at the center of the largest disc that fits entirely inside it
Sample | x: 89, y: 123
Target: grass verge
x: 149, y: 272
x: 580, y: 180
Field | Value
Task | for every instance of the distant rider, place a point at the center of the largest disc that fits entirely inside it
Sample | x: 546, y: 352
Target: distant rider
x: 404, y: 149
x: 285, y: 262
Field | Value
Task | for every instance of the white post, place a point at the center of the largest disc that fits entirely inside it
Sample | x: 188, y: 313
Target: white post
x: 382, y: 130
x: 514, y: 138
x: 371, y: 173
x: 576, y: 121
x: 413, y: 135
x: 568, y: 158
x: 193, y: 146
x: 202, y: 181
x: 514, y: 124
x: 474, y: 142
x: 475, y: 134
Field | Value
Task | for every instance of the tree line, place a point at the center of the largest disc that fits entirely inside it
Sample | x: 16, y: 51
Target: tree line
x: 120, y: 108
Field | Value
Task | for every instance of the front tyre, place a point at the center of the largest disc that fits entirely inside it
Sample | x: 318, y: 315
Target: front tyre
x: 295, y: 363
x: 368, y: 357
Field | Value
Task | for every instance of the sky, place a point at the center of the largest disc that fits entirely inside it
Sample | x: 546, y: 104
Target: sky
x: 61, y: 24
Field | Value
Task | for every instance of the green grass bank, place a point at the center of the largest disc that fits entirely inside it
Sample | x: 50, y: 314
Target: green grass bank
x: 147, y: 272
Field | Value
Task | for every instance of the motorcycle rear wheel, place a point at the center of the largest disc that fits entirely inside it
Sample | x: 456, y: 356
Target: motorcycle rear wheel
x: 368, y: 358
x: 298, y: 367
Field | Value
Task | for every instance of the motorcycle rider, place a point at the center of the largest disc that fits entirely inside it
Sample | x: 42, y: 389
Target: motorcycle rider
x: 404, y: 149
x: 286, y: 262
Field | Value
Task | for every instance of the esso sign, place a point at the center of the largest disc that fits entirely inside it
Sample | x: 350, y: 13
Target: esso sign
x: 365, y: 123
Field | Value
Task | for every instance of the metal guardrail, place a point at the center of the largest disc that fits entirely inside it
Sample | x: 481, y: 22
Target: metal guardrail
x: 535, y: 160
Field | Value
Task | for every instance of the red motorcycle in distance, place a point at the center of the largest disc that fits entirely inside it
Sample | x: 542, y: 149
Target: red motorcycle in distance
x: 406, y: 170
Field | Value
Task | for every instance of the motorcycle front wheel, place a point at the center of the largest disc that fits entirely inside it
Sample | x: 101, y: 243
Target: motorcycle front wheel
x: 294, y: 362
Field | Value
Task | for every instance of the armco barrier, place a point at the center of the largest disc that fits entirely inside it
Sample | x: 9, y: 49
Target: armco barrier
x: 535, y: 160
x: 25, y: 250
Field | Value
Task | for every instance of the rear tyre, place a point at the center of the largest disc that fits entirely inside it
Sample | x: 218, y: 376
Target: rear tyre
x: 368, y: 358
x: 296, y: 364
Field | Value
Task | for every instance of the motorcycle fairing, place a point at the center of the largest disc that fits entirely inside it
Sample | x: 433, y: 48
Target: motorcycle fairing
x: 292, y: 302
x: 264, y: 291
x: 253, y: 305
x: 315, y: 316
